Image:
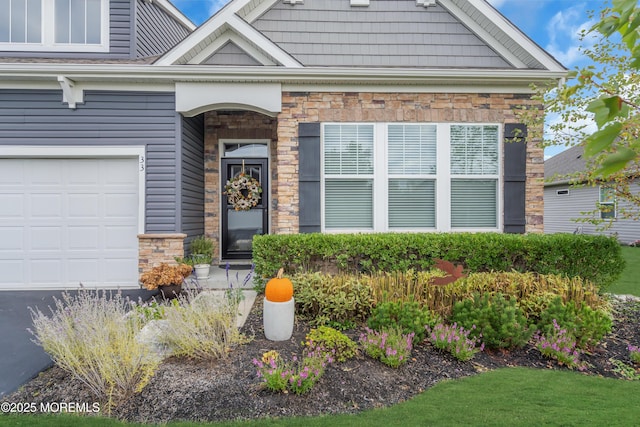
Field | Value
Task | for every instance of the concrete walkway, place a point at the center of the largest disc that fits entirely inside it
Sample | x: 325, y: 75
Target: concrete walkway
x: 21, y: 359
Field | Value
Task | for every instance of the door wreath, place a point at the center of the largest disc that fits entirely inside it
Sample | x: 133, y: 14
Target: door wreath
x: 243, y: 192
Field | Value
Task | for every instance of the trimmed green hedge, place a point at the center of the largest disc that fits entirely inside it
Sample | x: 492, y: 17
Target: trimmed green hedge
x: 594, y: 258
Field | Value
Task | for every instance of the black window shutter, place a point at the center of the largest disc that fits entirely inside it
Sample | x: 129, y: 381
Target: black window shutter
x: 515, y: 177
x: 309, y: 177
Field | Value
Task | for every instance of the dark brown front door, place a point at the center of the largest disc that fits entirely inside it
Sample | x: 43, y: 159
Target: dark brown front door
x: 239, y: 227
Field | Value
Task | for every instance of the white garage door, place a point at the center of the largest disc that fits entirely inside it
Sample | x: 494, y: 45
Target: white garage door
x: 68, y: 221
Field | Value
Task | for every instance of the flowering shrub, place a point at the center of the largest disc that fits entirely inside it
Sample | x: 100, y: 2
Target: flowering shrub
x: 559, y: 345
x: 455, y: 340
x: 390, y: 346
x: 297, y: 377
x: 635, y: 244
x: 165, y: 274
x: 634, y: 354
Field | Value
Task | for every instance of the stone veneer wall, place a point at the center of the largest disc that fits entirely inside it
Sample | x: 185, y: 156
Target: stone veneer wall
x: 155, y: 249
x: 298, y: 107
x: 231, y: 125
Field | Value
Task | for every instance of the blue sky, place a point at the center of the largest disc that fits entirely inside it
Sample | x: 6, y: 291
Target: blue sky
x: 553, y: 24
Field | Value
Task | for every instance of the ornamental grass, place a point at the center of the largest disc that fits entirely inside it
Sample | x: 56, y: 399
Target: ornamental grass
x: 92, y: 337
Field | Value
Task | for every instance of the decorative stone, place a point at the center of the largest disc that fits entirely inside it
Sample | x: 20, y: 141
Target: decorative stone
x: 278, y: 319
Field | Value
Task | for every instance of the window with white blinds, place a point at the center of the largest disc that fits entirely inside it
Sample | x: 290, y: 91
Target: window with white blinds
x: 348, y: 170
x: 406, y: 176
x: 474, y: 150
x: 474, y: 176
x: 412, y: 166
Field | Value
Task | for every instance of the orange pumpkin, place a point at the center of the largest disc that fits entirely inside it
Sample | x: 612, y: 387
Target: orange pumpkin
x: 279, y: 289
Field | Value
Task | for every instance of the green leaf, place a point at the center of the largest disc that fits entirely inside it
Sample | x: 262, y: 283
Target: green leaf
x: 606, y: 109
x: 616, y: 161
x: 602, y: 139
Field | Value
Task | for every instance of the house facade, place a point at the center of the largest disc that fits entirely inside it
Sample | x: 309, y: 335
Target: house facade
x: 354, y: 116
x: 567, y: 199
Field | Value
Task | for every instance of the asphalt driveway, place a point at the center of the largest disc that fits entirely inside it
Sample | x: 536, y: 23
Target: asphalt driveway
x: 20, y: 358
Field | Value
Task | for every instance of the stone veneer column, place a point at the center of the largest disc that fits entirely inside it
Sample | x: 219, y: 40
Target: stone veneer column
x: 298, y: 107
x: 155, y: 249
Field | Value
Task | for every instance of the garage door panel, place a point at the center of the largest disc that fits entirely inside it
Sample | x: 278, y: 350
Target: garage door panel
x: 12, y: 174
x: 119, y: 237
x: 84, y: 173
x: 86, y: 271
x: 44, y: 172
x: 11, y: 239
x: 66, y: 221
x: 12, y: 271
x: 121, y: 205
x: 83, y: 238
x: 45, y: 271
x: 117, y: 270
x: 12, y: 206
x: 45, y: 206
x: 46, y: 239
x: 84, y: 205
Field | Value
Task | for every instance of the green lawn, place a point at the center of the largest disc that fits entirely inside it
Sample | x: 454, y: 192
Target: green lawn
x: 629, y: 282
x: 505, y: 397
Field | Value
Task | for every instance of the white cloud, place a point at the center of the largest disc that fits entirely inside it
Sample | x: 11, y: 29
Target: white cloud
x: 564, y: 31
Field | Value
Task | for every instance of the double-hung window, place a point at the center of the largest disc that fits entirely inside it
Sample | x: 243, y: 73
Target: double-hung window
x: 349, y: 176
x: 411, y: 167
x: 474, y: 176
x: 54, y: 25
x: 399, y: 176
x: 607, y: 202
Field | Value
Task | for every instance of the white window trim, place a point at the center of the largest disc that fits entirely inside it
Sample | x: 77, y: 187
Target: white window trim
x: 601, y: 203
x: 48, y: 34
x: 443, y: 181
x: 79, y: 152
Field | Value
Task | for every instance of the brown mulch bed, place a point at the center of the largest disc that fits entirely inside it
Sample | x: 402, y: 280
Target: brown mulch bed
x: 230, y: 389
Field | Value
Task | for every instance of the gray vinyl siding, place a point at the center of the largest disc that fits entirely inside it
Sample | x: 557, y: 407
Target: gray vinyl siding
x: 231, y: 54
x: 149, y: 119
x: 156, y: 30
x: 387, y: 33
x: 560, y: 210
x: 120, y: 12
x: 192, y: 173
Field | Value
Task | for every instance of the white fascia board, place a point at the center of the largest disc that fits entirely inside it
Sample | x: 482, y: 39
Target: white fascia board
x: 509, y: 29
x: 174, y: 12
x: 116, y: 73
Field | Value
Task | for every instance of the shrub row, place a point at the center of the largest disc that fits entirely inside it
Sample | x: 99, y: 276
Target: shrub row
x: 345, y: 300
x: 594, y: 258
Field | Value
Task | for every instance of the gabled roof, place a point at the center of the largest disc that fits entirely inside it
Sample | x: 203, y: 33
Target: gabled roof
x: 387, y: 33
x: 559, y: 168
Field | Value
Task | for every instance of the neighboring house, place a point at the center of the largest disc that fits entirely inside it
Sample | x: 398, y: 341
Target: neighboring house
x: 355, y: 115
x: 567, y: 198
